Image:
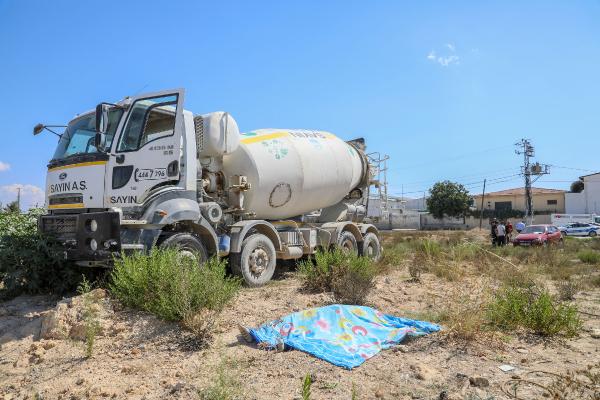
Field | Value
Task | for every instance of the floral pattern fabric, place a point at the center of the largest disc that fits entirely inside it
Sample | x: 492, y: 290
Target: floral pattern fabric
x: 343, y: 335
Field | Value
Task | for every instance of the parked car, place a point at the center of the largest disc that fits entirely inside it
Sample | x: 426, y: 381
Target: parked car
x: 580, y: 229
x: 539, y: 235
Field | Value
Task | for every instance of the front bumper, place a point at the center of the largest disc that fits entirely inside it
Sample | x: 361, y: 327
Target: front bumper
x: 77, y: 235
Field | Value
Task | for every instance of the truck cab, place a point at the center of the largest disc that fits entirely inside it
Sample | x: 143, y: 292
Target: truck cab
x: 144, y: 173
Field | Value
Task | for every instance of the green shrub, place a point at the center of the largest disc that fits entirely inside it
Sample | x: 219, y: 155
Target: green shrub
x: 348, y: 277
x: 533, y: 308
x: 29, y: 262
x: 316, y: 273
x: 352, y: 280
x: 174, y: 287
x: 589, y: 256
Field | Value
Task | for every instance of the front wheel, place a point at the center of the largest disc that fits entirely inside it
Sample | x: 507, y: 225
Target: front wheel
x: 592, y: 233
x: 371, y: 247
x: 256, y: 262
x: 187, y: 246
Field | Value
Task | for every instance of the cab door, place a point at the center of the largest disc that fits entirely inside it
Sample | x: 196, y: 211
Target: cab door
x: 147, y: 151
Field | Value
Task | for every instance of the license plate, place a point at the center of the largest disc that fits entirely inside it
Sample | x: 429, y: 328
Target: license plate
x: 525, y: 244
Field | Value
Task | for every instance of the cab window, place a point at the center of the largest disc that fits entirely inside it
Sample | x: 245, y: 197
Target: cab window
x: 149, y: 119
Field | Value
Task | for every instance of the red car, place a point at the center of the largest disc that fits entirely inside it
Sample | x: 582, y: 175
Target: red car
x: 540, y: 235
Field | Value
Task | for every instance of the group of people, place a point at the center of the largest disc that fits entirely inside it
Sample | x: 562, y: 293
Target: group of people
x: 501, y: 232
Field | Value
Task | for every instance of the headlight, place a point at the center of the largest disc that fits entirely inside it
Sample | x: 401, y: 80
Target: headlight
x: 92, y: 225
x: 93, y: 245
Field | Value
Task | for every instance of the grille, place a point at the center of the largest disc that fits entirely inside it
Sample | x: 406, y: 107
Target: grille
x: 60, y: 227
x: 199, y: 128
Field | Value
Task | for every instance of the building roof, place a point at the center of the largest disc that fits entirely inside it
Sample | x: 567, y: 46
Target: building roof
x: 585, y: 176
x: 521, y: 192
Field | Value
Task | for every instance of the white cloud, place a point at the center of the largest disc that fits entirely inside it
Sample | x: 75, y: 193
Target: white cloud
x: 31, y: 195
x: 4, y: 166
x: 446, y: 59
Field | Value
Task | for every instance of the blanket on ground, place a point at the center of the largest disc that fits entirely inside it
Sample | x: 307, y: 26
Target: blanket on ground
x: 343, y: 335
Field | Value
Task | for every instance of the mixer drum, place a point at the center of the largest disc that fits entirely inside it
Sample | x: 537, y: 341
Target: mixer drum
x: 292, y: 172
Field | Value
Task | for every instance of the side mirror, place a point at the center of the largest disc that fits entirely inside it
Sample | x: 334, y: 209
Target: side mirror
x: 102, y: 118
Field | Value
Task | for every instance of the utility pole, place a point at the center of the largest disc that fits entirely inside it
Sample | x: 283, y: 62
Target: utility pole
x: 481, y: 210
x: 528, y: 170
x: 19, y: 199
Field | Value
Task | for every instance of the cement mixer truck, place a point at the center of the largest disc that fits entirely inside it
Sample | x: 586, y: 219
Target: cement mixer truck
x: 144, y: 173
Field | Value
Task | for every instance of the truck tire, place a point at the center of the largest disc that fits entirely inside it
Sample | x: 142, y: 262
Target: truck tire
x: 347, y: 243
x: 187, y: 244
x: 371, y: 247
x: 592, y: 233
x: 256, y: 262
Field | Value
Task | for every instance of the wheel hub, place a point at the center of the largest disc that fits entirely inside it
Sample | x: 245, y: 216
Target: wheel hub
x: 258, y: 261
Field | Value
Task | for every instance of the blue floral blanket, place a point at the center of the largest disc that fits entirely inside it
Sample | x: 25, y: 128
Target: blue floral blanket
x: 344, y: 335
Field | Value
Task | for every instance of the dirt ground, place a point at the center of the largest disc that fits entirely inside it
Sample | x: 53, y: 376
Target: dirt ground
x: 140, y: 357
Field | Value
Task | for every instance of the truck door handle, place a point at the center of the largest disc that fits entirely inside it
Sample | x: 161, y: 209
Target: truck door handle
x: 120, y: 159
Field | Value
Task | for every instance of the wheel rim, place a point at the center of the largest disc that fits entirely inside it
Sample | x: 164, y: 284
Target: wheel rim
x: 347, y: 246
x: 187, y: 254
x: 258, y: 261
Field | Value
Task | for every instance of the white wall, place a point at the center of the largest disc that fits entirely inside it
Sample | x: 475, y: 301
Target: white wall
x: 592, y: 193
x: 575, y: 203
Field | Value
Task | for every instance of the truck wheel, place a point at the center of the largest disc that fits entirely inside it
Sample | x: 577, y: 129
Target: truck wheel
x: 188, y: 245
x: 347, y: 243
x: 592, y: 233
x: 256, y: 262
x: 371, y: 247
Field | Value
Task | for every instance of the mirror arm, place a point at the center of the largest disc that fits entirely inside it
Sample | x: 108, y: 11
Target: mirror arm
x: 47, y: 127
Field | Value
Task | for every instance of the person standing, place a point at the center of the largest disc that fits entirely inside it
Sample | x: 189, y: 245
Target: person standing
x: 494, y: 232
x: 500, y: 233
x: 520, y: 226
x: 509, y: 231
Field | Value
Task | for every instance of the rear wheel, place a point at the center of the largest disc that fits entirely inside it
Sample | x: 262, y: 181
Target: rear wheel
x: 256, y: 262
x: 371, y: 247
x: 347, y: 243
x: 187, y: 245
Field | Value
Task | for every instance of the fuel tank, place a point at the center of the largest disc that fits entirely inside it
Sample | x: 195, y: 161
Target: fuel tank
x: 292, y: 172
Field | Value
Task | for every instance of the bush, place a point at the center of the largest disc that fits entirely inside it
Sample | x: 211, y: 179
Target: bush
x: 29, y: 262
x: 352, y: 280
x: 589, y: 256
x: 349, y: 277
x: 174, y: 287
x: 533, y: 308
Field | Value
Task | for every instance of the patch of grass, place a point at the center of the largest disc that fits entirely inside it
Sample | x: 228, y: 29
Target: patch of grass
x: 306, y: 384
x: 174, y: 288
x: 568, y: 289
x: 224, y: 386
x: 348, y: 277
x: 589, y: 256
x: 90, y: 316
x: 533, y: 308
x: 395, y: 255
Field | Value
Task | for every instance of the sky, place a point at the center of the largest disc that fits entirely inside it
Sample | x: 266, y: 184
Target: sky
x: 444, y: 88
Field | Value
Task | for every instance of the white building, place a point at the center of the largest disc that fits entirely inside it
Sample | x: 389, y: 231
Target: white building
x: 588, y: 201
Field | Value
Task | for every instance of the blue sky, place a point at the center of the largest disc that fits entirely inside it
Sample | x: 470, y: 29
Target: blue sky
x: 444, y: 88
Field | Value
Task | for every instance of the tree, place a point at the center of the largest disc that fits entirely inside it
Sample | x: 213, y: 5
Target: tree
x: 12, y: 207
x: 577, y: 187
x: 448, y: 199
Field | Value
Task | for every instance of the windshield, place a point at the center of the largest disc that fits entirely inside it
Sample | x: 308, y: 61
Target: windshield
x: 78, y: 138
x: 534, y: 229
